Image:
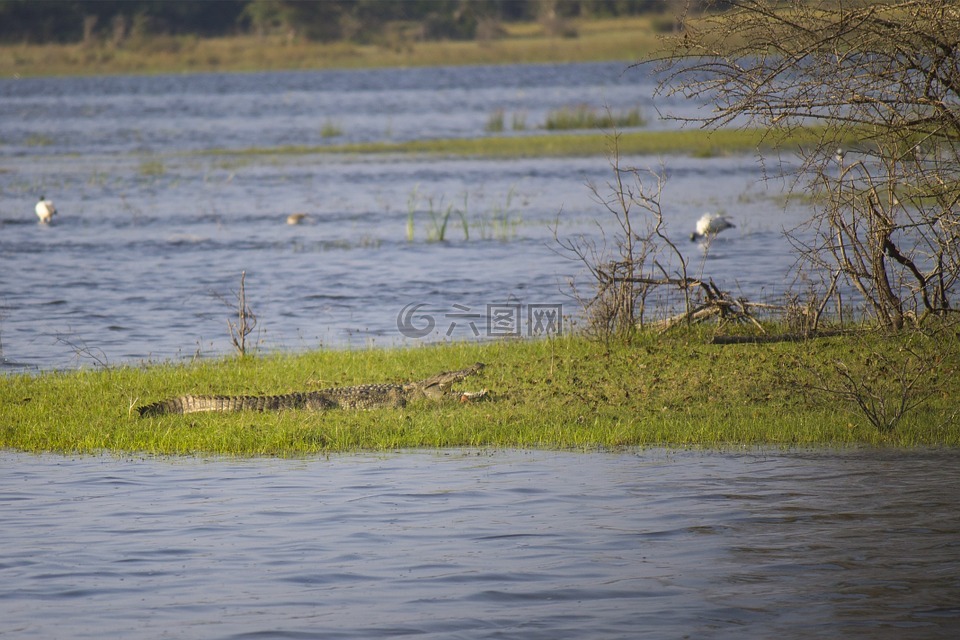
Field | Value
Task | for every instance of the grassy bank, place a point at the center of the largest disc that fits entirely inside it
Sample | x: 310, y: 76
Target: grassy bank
x: 562, y: 393
x: 625, y: 39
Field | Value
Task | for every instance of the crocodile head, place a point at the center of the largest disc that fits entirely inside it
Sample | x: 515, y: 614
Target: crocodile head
x: 439, y: 385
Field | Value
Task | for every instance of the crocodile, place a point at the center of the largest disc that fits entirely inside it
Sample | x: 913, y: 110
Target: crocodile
x: 364, y: 396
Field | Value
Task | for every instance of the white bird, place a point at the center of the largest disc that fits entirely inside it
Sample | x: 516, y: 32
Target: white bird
x: 296, y: 218
x: 710, y: 224
x: 45, y: 210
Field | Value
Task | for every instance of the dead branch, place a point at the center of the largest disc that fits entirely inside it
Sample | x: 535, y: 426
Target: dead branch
x: 246, y: 319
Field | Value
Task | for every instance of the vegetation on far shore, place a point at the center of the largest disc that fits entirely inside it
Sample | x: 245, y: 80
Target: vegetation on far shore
x: 562, y: 393
x: 626, y: 38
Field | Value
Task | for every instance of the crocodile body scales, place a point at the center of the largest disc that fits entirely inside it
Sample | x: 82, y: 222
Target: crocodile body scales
x: 364, y: 396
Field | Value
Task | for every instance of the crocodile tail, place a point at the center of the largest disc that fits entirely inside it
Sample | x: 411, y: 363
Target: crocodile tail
x: 195, y: 404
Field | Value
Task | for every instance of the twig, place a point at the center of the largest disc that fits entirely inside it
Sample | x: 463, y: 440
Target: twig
x: 81, y: 350
x: 246, y: 319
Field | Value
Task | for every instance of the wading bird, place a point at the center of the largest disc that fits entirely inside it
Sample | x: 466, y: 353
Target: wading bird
x: 45, y: 210
x: 709, y: 225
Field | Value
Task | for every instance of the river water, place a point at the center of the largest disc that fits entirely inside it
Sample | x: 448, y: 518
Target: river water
x: 160, y: 212
x: 480, y: 544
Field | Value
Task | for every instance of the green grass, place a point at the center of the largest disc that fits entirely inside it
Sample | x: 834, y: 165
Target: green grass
x: 694, y: 142
x: 561, y: 393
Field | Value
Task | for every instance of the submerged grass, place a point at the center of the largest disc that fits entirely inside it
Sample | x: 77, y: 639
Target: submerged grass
x: 560, y: 393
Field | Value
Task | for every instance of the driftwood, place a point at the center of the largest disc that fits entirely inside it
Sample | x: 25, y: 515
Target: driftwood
x: 718, y: 303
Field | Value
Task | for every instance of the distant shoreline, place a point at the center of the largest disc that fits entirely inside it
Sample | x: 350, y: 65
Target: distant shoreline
x: 626, y: 39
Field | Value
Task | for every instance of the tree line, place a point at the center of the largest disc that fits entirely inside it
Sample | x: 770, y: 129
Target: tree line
x: 72, y: 21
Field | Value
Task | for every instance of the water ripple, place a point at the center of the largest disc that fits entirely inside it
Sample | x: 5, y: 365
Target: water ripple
x: 151, y: 239
x: 541, y: 545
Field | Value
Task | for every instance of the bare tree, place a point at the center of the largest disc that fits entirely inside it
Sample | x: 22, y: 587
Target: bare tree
x: 246, y: 319
x: 883, y: 386
x: 638, y: 258
x: 616, y: 264
x: 885, y: 73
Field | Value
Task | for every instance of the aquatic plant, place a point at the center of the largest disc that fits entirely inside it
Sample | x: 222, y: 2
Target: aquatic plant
x: 519, y: 121
x: 152, y: 168
x: 495, y: 122
x: 502, y: 221
x: 330, y: 130
x: 411, y: 210
x: 439, y: 218
x: 586, y: 117
x: 39, y: 140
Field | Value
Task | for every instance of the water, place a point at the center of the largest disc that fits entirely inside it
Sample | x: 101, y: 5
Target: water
x: 143, y: 261
x: 479, y: 544
x: 202, y: 111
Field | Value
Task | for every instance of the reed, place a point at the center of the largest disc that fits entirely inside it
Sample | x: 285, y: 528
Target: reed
x: 500, y: 222
x: 438, y: 216
x: 495, y: 122
x: 565, y: 392
x: 587, y: 117
x: 580, y: 117
x: 519, y: 122
x: 437, y: 231
x: 411, y: 212
x: 330, y: 129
